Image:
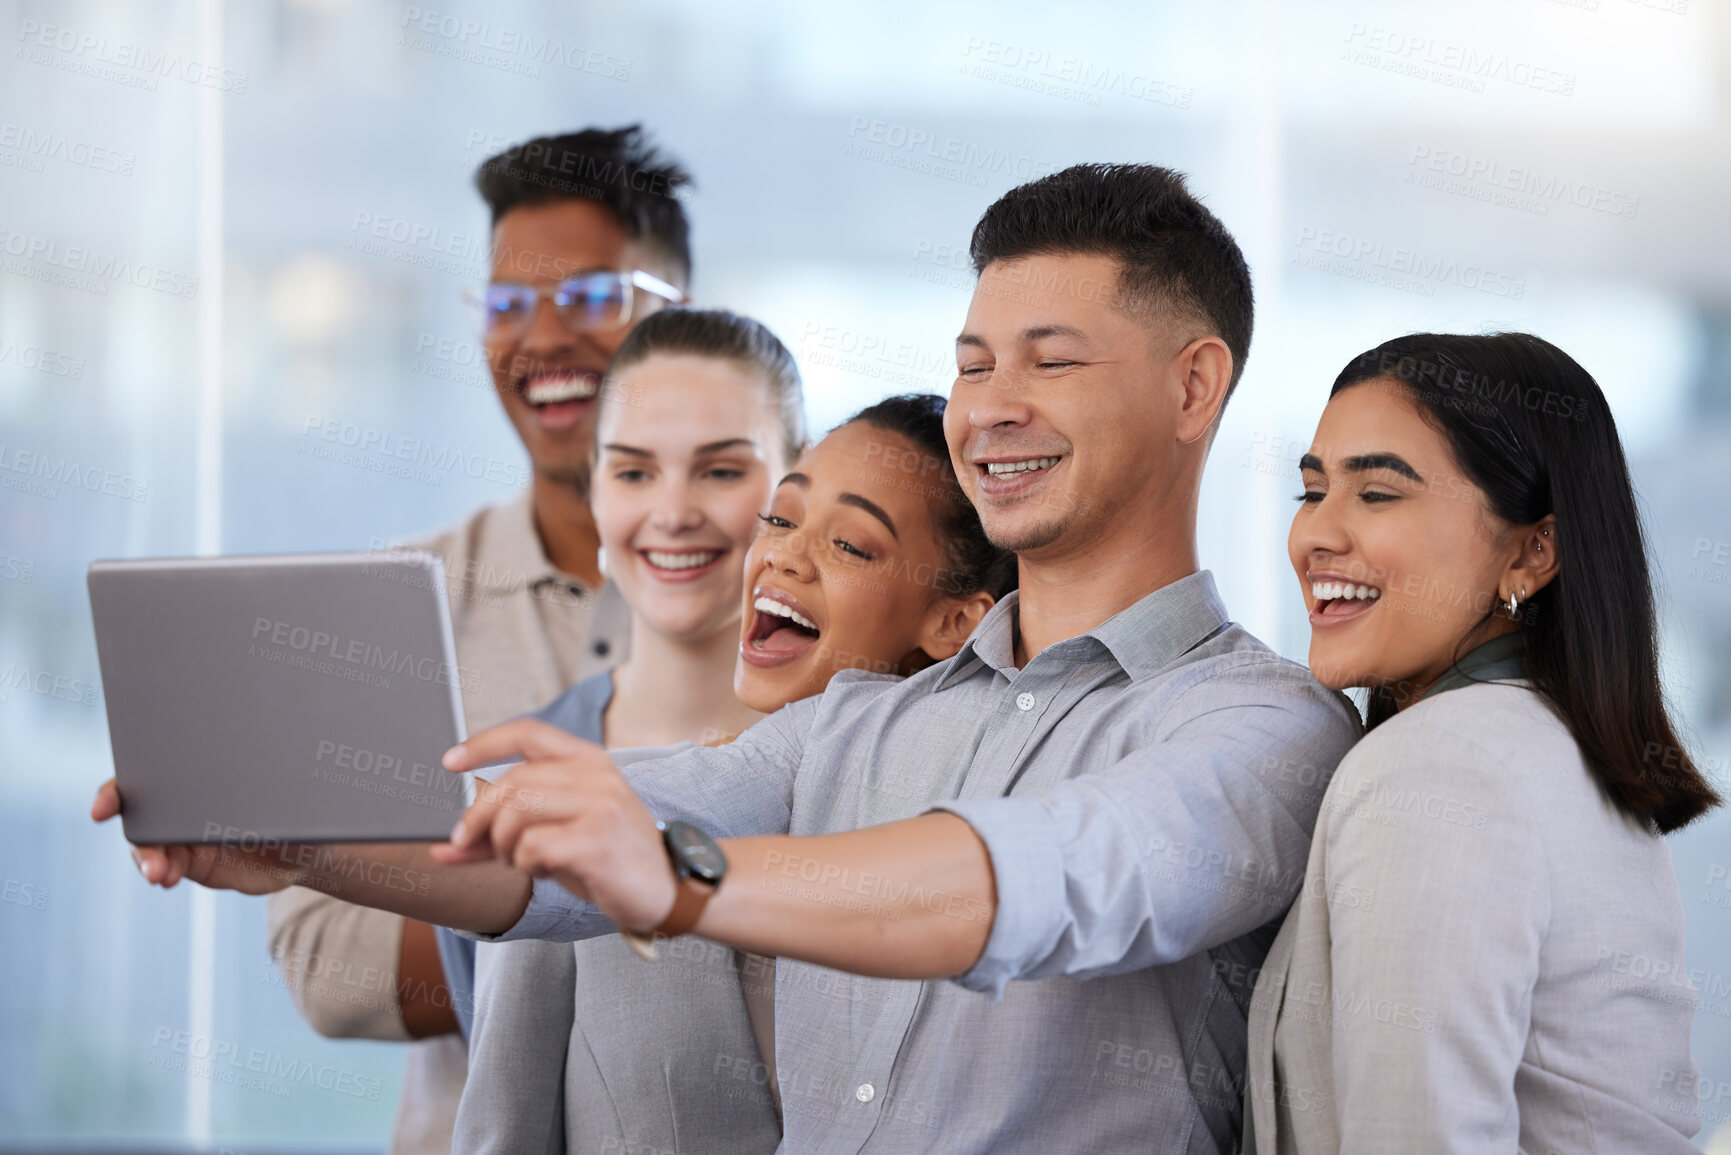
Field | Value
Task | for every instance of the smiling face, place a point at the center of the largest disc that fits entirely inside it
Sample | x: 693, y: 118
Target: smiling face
x: 548, y: 375
x: 1064, y: 416
x: 686, y: 454
x: 1399, y: 555
x: 848, y: 571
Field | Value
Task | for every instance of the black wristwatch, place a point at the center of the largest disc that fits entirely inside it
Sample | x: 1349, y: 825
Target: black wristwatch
x: 699, y: 866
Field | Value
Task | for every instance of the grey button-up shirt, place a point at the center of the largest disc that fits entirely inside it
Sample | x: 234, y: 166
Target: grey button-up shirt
x: 1146, y: 792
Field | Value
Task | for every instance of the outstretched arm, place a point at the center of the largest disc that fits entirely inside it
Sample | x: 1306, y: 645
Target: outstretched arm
x: 1182, y: 845
x: 906, y: 900
x: 396, y: 876
x: 910, y: 899
x: 740, y: 789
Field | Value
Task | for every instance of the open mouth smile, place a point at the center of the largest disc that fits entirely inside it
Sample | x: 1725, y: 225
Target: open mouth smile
x: 557, y: 396
x: 780, y: 629
x: 1340, y: 601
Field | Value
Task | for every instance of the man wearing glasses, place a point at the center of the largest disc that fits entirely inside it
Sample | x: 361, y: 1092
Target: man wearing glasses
x: 588, y: 238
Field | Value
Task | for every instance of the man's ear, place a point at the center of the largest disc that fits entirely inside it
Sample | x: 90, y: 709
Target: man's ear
x: 1204, y: 368
x: 949, y: 622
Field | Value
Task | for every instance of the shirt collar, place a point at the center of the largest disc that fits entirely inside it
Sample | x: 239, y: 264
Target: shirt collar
x: 1143, y: 639
x: 1498, y: 660
x: 510, y: 553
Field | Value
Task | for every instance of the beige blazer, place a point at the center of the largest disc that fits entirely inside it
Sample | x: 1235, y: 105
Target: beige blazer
x: 1485, y: 955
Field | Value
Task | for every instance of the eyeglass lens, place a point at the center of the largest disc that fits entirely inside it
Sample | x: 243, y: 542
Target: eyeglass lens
x: 586, y: 302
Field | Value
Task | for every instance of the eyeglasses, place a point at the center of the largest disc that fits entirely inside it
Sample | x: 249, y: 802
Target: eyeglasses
x: 585, y: 303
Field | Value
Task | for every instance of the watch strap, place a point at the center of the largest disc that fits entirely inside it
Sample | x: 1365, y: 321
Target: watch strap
x: 689, y: 898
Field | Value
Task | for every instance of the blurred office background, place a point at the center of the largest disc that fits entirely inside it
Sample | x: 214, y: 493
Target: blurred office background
x: 197, y: 309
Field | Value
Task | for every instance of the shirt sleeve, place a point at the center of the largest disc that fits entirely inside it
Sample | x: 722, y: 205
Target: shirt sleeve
x: 731, y: 791
x: 1187, y: 843
x: 1433, y: 976
x: 457, y: 958
x: 313, y: 935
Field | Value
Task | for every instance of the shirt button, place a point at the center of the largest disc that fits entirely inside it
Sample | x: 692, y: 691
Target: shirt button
x: 865, y: 1092
x: 1024, y: 701
x: 601, y: 649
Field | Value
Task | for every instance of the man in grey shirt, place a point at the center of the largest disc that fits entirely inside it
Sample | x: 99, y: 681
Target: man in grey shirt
x: 1110, y: 782
x: 1137, y: 777
x: 1146, y: 794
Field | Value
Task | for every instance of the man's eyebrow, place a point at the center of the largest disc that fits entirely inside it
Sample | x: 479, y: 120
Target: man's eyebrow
x: 1036, y: 333
x: 798, y: 479
x: 561, y: 278
x: 1039, y: 332
x: 872, y: 508
x: 1390, y: 461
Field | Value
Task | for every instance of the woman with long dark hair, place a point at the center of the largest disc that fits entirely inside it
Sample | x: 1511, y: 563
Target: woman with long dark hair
x: 1487, y: 953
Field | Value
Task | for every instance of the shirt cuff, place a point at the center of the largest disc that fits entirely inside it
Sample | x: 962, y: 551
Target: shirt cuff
x: 554, y: 914
x: 1028, y: 866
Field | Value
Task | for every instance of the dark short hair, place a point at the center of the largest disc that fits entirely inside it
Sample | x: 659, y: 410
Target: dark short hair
x: 1173, y: 254
x: 1531, y: 429
x: 975, y: 563
x: 619, y: 169
x: 726, y: 336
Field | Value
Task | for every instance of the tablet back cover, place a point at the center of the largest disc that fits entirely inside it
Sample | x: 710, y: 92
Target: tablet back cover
x: 299, y: 698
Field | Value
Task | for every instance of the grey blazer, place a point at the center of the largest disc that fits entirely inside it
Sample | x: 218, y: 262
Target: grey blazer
x: 1485, y: 955
x: 585, y: 1048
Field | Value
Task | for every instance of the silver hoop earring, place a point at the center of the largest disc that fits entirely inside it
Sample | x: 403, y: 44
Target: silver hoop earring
x: 1514, y: 606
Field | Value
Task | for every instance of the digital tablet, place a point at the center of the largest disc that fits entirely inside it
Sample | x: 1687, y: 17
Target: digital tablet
x: 256, y: 701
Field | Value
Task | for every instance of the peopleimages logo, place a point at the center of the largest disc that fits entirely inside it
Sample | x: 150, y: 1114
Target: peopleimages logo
x: 1453, y: 65
x: 81, y: 260
x: 1067, y: 77
x: 381, y: 451
x: 500, y: 46
x: 354, y: 654
x: 40, y: 146
x: 938, y: 154
x: 42, y: 360
x: 1398, y: 266
x: 472, y: 246
x: 272, y: 1071
x: 43, y: 476
x: 48, y: 684
x: 147, y: 64
x: 1520, y: 187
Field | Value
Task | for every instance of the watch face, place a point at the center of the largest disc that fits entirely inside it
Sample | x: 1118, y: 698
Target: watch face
x: 696, y: 852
